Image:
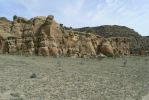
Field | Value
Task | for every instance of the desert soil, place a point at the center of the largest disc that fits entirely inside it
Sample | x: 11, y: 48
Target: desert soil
x: 47, y: 78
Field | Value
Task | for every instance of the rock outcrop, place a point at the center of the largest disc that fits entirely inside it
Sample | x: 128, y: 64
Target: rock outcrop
x: 138, y: 44
x: 43, y: 36
x: 110, y: 31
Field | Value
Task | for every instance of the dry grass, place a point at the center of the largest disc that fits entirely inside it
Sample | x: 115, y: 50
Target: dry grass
x: 73, y: 79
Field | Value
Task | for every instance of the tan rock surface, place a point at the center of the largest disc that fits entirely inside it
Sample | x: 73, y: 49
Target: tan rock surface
x: 44, y: 36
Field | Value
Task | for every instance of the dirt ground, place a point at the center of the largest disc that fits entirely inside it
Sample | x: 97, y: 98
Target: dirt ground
x: 47, y: 78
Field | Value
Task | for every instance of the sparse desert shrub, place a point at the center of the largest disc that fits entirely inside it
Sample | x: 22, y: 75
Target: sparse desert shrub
x: 124, y: 62
x: 59, y: 64
x: 146, y: 61
x: 14, y: 94
x: 81, y: 63
x: 33, y: 75
x: 14, y: 17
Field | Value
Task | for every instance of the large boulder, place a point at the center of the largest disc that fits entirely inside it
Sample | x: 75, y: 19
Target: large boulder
x: 106, y: 48
x: 53, y: 51
x: 43, y: 51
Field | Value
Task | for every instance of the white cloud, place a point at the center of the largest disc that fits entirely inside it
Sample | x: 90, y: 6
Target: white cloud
x: 72, y: 9
x: 120, y: 12
x: 80, y: 13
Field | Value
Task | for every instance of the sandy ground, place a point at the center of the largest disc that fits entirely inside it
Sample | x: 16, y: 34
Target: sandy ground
x: 73, y: 79
x: 146, y: 97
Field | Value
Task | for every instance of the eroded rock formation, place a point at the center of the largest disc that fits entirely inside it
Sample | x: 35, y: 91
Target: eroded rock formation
x: 138, y: 44
x: 45, y: 37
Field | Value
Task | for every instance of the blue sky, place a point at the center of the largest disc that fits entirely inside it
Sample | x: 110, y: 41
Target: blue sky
x: 81, y: 13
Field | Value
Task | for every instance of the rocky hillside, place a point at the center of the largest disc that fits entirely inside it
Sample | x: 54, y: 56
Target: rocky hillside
x: 138, y: 44
x: 111, y: 31
x: 44, y: 36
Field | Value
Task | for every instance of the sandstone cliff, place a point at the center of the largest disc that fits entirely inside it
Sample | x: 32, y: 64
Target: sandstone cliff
x: 138, y: 43
x: 44, y: 36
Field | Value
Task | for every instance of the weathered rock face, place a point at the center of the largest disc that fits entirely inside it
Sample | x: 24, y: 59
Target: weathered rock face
x: 86, y: 45
x: 5, y: 25
x: 120, y: 45
x: 138, y: 43
x: 28, y: 42
x: 20, y: 25
x: 10, y: 46
x: 43, y: 36
x: 145, y: 45
x: 140, y: 46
